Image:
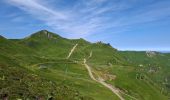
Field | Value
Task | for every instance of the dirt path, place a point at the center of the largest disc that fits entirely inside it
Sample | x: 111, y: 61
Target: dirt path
x: 101, y: 81
x: 89, y: 71
x: 91, y: 53
x: 37, y: 64
x: 72, y: 50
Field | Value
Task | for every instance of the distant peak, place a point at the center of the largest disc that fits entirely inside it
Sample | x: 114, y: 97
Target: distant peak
x: 44, y: 31
x: 45, y: 34
x: 81, y: 39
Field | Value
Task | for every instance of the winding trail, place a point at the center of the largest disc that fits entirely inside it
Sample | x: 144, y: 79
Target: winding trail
x: 101, y: 81
x: 98, y: 79
x: 72, y: 50
x: 89, y: 71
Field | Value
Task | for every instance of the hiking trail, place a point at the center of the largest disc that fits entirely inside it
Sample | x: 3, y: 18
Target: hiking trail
x: 72, y: 50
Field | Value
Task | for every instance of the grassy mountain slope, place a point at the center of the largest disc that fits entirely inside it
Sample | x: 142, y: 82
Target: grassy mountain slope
x: 140, y: 75
x: 19, y: 82
x: 154, y: 67
x: 47, y: 44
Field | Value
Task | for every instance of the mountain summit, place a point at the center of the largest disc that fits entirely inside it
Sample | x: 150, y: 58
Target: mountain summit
x: 45, y: 34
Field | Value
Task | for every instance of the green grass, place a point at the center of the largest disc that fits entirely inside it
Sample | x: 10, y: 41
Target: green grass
x: 75, y: 75
x: 43, y: 55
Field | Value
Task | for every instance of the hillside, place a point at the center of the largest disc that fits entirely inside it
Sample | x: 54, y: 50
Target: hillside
x: 48, y: 66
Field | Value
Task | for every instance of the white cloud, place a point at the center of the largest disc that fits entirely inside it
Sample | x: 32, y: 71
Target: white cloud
x: 59, y: 20
x: 88, y: 17
x: 34, y: 7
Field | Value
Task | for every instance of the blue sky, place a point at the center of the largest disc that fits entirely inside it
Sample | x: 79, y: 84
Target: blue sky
x: 125, y: 24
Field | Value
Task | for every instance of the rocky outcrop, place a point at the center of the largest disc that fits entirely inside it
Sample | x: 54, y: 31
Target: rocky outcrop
x: 150, y: 53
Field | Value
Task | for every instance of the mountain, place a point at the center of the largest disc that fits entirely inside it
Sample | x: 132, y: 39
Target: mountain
x: 48, y: 66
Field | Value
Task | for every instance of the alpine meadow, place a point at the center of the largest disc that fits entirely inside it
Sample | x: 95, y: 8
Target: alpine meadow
x: 84, y: 50
x: 48, y: 66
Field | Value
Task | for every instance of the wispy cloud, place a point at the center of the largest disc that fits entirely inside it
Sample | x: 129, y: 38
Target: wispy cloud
x: 34, y: 7
x: 88, y: 17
